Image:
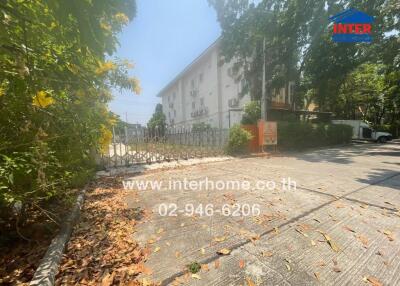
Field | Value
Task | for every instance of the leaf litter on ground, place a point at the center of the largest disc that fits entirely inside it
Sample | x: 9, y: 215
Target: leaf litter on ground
x: 102, y: 250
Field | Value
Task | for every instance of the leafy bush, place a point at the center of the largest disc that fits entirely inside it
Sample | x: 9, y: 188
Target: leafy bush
x: 339, y: 133
x: 301, y: 135
x: 238, y: 140
x: 252, y: 112
x: 54, y: 95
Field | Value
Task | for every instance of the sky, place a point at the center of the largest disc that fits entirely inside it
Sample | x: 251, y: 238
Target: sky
x: 163, y: 38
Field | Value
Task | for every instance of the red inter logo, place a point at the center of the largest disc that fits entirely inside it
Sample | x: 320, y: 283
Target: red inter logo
x: 352, y: 26
x: 340, y: 28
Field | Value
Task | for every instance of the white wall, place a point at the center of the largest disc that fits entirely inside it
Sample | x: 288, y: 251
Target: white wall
x: 215, y: 89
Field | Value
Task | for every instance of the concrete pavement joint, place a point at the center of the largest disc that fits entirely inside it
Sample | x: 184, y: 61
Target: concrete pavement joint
x: 235, y: 246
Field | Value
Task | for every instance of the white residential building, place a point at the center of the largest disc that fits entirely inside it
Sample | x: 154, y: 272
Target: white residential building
x: 205, y: 91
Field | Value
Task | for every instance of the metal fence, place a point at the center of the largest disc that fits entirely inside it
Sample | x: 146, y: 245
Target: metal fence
x: 143, y: 145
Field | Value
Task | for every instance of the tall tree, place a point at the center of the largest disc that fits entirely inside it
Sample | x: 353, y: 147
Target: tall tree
x: 55, y: 80
x: 158, y: 120
x: 298, y: 45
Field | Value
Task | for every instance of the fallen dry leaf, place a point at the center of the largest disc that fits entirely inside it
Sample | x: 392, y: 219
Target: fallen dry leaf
x: 328, y: 239
x: 389, y: 234
x: 250, y: 282
x: 374, y: 281
x: 241, y: 263
x: 216, y: 264
x: 363, y: 239
x: 334, y: 260
x: 301, y: 232
x: 203, y: 251
x: 321, y: 263
x: 108, y: 279
x: 266, y: 253
x: 339, y: 205
x: 288, y: 266
x: 141, y: 268
x: 316, y: 274
x: 336, y: 269
x: 146, y: 282
x: 224, y: 251
x: 204, y: 267
x: 346, y: 227
x: 196, y: 276
x: 219, y: 238
x: 157, y: 249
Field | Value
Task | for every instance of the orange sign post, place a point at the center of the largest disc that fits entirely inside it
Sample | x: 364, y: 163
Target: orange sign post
x: 270, y: 133
x: 267, y: 133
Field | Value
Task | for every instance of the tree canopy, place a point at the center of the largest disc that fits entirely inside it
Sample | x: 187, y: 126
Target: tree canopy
x: 157, y: 120
x: 298, y: 47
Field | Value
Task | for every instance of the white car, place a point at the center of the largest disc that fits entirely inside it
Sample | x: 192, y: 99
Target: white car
x: 364, y: 131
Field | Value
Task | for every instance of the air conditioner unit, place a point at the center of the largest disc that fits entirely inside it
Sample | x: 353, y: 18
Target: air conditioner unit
x: 234, y: 102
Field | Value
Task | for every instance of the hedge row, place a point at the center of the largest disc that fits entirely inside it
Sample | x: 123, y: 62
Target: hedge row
x: 301, y: 135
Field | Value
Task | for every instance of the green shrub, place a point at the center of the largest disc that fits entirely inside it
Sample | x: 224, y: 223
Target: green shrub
x: 252, y: 112
x: 194, y: 267
x: 53, y: 105
x: 339, y: 133
x: 301, y: 135
x: 238, y: 140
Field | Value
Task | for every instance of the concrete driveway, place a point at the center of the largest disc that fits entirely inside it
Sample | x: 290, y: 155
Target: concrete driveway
x: 339, y: 226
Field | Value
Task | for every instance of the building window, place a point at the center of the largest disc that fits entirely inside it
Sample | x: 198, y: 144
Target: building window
x: 243, y: 83
x: 193, y: 105
x: 229, y: 71
x: 192, y: 83
x: 174, y: 113
x: 201, y: 77
x: 174, y: 95
x: 202, y: 101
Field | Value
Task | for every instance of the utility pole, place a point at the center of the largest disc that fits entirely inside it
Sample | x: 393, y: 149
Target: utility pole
x: 126, y: 128
x: 263, y: 95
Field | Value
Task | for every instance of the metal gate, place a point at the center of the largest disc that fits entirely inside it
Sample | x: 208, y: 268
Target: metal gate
x: 143, y: 145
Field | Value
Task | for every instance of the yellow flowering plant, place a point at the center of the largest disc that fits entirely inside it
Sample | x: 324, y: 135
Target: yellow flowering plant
x: 42, y: 99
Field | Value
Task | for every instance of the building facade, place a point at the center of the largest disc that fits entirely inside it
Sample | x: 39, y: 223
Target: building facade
x: 206, y: 92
